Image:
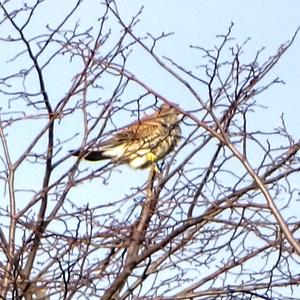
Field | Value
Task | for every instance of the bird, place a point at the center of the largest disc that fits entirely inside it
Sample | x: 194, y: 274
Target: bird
x: 140, y: 144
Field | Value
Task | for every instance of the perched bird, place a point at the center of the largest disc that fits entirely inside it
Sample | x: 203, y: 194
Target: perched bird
x: 142, y: 143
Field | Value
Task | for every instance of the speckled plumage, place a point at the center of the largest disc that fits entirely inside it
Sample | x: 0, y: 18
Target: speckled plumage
x: 141, y: 143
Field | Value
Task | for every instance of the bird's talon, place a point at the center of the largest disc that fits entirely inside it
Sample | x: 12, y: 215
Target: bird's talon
x: 151, y: 157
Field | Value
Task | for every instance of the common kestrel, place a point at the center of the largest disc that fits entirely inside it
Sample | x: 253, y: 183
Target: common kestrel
x: 142, y: 143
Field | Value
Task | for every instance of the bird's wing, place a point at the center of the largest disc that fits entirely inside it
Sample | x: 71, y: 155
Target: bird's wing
x: 128, y: 140
x: 144, y: 129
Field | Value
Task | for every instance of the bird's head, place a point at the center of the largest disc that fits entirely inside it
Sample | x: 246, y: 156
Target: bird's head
x: 168, y: 112
x: 167, y: 109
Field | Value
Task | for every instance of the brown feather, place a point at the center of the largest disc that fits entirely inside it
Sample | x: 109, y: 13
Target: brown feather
x: 156, y: 134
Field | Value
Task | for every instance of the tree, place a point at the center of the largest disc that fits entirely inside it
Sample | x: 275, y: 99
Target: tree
x: 216, y: 223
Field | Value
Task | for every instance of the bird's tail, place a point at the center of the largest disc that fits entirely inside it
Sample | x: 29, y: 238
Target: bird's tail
x: 91, y: 155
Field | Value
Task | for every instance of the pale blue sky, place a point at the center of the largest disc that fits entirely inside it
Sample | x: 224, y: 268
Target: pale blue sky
x: 269, y: 23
